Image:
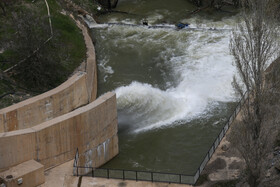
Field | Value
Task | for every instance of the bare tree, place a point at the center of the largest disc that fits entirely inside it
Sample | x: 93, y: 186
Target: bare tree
x: 4, y: 5
x: 254, y: 45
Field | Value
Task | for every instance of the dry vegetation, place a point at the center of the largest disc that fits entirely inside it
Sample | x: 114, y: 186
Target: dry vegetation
x: 254, y: 44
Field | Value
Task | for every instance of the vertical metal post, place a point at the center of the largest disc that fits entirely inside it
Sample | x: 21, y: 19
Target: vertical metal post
x: 180, y: 178
x: 136, y: 177
x: 92, y: 174
x: 152, y: 176
x: 108, y: 173
x: 123, y: 175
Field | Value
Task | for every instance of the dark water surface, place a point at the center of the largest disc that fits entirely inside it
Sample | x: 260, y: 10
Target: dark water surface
x: 173, y: 87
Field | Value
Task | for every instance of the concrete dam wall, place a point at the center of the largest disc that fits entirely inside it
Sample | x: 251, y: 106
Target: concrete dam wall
x: 55, y: 141
x: 65, y: 98
x: 77, y: 91
x: 50, y: 127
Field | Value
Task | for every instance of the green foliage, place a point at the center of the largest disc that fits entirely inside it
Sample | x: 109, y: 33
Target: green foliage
x: 25, y: 29
x: 71, y: 41
x: 5, y: 57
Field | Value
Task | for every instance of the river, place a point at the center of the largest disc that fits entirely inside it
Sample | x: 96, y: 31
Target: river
x: 173, y: 87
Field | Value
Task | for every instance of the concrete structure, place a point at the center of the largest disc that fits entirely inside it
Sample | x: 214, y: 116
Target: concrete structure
x: 61, y: 100
x: 77, y: 91
x: 50, y: 127
x: 27, y: 174
x: 92, y: 129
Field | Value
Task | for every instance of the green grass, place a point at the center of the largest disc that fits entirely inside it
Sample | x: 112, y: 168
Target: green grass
x: 66, y: 34
x: 7, y: 54
x: 72, y: 39
x: 68, y: 38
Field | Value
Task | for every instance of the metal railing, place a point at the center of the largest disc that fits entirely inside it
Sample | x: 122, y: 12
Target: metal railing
x: 133, y: 175
x: 158, y: 176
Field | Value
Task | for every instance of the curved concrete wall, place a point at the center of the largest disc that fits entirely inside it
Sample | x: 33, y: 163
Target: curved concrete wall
x: 77, y: 91
x: 65, y: 98
x: 50, y: 127
x: 92, y: 129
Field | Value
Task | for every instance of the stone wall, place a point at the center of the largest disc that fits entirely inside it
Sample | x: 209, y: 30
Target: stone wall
x: 92, y: 129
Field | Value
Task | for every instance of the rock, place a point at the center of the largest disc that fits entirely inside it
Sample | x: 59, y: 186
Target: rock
x: 225, y: 147
x: 108, y: 3
x: 268, y: 174
x: 90, y: 19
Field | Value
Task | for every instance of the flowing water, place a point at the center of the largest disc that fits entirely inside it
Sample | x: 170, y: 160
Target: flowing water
x: 173, y: 87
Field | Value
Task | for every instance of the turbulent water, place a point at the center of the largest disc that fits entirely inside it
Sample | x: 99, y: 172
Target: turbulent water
x: 173, y: 87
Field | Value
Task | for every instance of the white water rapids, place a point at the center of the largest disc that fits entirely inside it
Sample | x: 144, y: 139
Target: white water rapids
x: 198, y: 61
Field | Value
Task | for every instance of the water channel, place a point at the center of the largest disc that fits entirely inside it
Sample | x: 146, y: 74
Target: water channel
x: 173, y: 87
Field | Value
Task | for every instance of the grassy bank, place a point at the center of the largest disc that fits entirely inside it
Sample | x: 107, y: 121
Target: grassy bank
x: 67, y: 49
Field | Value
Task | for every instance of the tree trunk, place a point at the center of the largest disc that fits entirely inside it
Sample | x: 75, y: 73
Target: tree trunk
x: 252, y: 180
x: 115, y: 4
x: 3, y: 9
x: 109, y: 4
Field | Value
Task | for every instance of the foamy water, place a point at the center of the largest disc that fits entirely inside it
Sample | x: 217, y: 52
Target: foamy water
x: 173, y: 87
x: 199, y: 62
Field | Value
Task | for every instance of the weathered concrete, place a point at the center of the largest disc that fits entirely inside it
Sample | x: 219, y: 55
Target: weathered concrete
x: 29, y: 174
x: 61, y: 175
x: 77, y: 91
x: 50, y: 127
x: 63, y: 99
x: 54, y: 142
x: 91, y: 69
x: 100, y: 182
